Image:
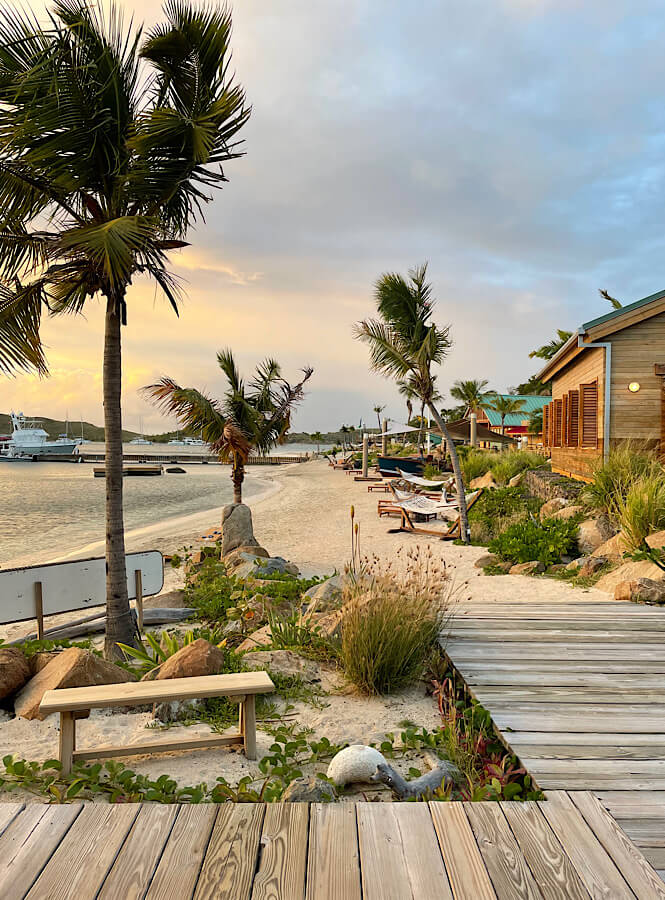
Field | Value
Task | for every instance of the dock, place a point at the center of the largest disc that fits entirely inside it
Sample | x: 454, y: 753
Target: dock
x: 577, y: 689
x: 138, y: 470
x: 563, y: 848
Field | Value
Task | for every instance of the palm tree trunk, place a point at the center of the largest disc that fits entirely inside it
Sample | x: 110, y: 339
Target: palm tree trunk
x: 237, y: 476
x: 119, y: 622
x: 420, y: 429
x: 459, y: 481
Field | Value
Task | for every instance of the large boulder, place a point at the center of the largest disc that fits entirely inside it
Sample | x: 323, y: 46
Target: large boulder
x: 657, y: 540
x: 324, y: 597
x: 487, y: 559
x: 548, y: 509
x: 592, y: 565
x: 516, y: 480
x: 535, y: 567
x: 483, y: 481
x: 244, y: 555
x: 567, y: 512
x: 641, y: 590
x: 259, y: 638
x: 237, y: 530
x: 592, y: 533
x: 612, y: 549
x: 71, y: 668
x: 283, y: 662
x: 198, y: 658
x: 356, y: 763
x: 14, y: 671
x: 629, y: 571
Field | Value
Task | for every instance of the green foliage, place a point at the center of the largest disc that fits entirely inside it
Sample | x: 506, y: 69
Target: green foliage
x: 434, y: 473
x: 476, y: 463
x: 531, y: 540
x: 29, y: 648
x: 499, y: 508
x: 176, y: 561
x: 167, y: 643
x: 511, y: 462
x: 612, y: 478
x: 291, y: 633
x: 642, y: 510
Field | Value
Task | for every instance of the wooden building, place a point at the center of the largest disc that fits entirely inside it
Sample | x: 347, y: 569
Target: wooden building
x: 607, y: 387
x: 516, y: 425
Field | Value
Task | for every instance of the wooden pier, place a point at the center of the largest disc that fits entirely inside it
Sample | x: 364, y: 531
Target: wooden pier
x: 567, y: 848
x: 577, y: 689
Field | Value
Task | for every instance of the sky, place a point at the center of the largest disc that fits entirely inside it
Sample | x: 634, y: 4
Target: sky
x: 516, y: 145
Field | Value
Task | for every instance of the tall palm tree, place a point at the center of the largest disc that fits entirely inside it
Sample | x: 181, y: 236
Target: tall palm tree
x: 547, y: 351
x: 408, y: 393
x: 505, y: 406
x: 344, y: 430
x: 318, y: 437
x: 254, y: 416
x: 470, y: 393
x: 378, y: 409
x: 110, y: 144
x: 405, y: 344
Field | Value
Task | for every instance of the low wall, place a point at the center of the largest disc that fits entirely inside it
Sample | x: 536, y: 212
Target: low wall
x: 547, y: 485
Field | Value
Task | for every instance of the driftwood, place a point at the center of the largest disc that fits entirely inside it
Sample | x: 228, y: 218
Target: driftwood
x: 424, y: 786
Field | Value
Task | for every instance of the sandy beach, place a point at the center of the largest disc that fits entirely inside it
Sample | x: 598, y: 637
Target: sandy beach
x: 304, y: 516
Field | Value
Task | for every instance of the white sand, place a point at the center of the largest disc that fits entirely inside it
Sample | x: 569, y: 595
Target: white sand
x: 305, y: 517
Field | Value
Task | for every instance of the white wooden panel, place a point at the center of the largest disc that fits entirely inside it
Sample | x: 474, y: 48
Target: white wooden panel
x: 69, y: 586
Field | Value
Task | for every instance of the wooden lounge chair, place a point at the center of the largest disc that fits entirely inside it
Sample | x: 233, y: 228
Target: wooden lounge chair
x: 450, y: 534
x: 391, y: 507
x: 342, y: 463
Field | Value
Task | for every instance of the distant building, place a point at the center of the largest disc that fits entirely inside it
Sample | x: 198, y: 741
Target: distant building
x: 516, y: 424
x: 607, y: 387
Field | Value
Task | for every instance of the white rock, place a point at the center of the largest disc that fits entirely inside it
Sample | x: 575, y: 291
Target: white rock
x: 354, y: 763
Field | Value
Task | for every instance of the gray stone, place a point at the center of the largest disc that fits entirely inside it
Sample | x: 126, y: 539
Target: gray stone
x: 535, y: 567
x: 309, y: 790
x: 276, y: 565
x: 567, y: 512
x: 283, y: 662
x: 548, y: 509
x: 575, y: 564
x: 516, y: 480
x: 641, y: 590
x: 173, y: 711
x: 357, y: 763
x: 488, y: 559
x: 591, y: 534
x: 237, y: 530
x: 591, y: 565
x: 324, y: 597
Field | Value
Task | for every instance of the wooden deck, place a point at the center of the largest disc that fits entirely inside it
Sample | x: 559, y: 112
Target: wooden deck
x: 578, y: 691
x: 567, y: 847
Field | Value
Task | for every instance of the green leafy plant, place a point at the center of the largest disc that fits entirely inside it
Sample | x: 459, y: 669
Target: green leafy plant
x: 499, y: 508
x: 641, y: 511
x: 511, y: 462
x: 290, y: 632
x: 613, y: 477
x: 160, y: 647
x: 531, y: 540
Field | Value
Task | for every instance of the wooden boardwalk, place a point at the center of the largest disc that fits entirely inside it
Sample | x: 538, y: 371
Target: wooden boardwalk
x: 578, y: 691
x: 567, y: 847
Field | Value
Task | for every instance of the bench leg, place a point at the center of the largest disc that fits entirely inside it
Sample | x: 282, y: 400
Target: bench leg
x: 67, y: 741
x: 249, y: 726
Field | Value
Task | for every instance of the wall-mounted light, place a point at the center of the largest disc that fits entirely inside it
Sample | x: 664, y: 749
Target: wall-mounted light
x: 634, y: 387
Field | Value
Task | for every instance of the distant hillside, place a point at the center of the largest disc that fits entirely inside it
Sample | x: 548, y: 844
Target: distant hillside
x: 56, y: 428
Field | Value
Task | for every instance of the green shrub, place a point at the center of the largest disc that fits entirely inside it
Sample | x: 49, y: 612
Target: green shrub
x: 531, y: 540
x: 497, y: 509
x: 511, y: 462
x: 392, y: 621
x: 612, y: 478
x: 641, y: 511
x: 476, y: 463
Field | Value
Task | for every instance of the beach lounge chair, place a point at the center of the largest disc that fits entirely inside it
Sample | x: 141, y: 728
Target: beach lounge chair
x: 343, y: 463
x: 425, y: 483
x: 399, y: 496
x: 450, y: 534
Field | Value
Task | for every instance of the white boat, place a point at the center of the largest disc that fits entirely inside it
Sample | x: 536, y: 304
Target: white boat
x: 29, y: 440
x: 141, y: 439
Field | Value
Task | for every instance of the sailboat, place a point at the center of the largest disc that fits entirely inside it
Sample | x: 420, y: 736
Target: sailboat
x: 141, y: 439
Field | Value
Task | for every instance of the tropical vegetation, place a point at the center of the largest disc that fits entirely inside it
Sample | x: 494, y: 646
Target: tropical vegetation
x: 470, y: 393
x: 111, y: 143
x: 504, y: 405
x: 252, y: 417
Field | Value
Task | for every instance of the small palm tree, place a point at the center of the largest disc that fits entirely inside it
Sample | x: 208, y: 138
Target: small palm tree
x: 409, y: 395
x: 344, y: 430
x: 318, y: 437
x: 110, y: 144
x: 252, y: 417
x: 404, y: 343
x: 505, y: 406
x: 470, y: 393
x: 378, y: 410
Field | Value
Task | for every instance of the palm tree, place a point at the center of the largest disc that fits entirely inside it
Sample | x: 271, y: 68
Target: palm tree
x: 547, y: 351
x: 505, y: 406
x: 408, y: 393
x: 255, y: 417
x: 378, y: 410
x: 318, y: 437
x: 470, y: 393
x: 405, y: 344
x: 344, y: 430
x: 110, y: 146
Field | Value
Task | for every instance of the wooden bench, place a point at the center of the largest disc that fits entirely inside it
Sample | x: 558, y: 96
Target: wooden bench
x: 242, y: 685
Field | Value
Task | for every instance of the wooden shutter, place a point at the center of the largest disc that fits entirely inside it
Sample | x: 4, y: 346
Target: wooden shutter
x: 546, y: 423
x: 589, y: 414
x: 558, y: 422
x: 573, y: 418
x: 564, y: 421
x: 551, y: 425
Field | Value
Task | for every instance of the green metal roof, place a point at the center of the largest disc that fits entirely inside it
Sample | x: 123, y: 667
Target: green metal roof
x: 532, y: 403
x: 624, y: 309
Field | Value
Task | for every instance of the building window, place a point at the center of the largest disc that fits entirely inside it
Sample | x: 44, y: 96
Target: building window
x: 573, y: 418
x: 588, y: 428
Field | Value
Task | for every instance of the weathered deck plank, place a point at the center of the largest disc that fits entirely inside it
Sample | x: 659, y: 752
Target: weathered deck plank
x: 333, y: 862
x: 283, y: 863
x: 178, y: 870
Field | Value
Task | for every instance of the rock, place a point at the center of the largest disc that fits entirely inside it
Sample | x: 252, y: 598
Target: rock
x: 14, y: 671
x: 591, y: 534
x: 641, y: 590
x: 575, y: 564
x: 243, y: 555
x: 175, y: 711
x: 613, y: 549
x: 516, y: 480
x: 353, y: 764
x: 283, y: 662
x: 258, y: 639
x: 487, y: 559
x: 40, y: 660
x: 567, y: 512
x: 535, y: 567
x: 657, y: 540
x: 237, y: 530
x: 276, y: 565
x: 198, y: 658
x: 629, y: 571
x: 309, y: 790
x: 324, y: 597
x: 504, y: 566
x: 548, y: 509
x: 71, y: 668
x: 556, y: 568
x: 483, y: 481
x: 234, y: 626
x: 591, y: 565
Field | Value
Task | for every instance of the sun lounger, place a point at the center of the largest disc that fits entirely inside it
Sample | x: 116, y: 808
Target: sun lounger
x: 399, y: 496
x: 343, y: 463
x: 419, y: 482
x: 450, y: 534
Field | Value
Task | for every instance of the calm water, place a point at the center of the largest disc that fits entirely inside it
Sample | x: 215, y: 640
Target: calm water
x: 48, y: 509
